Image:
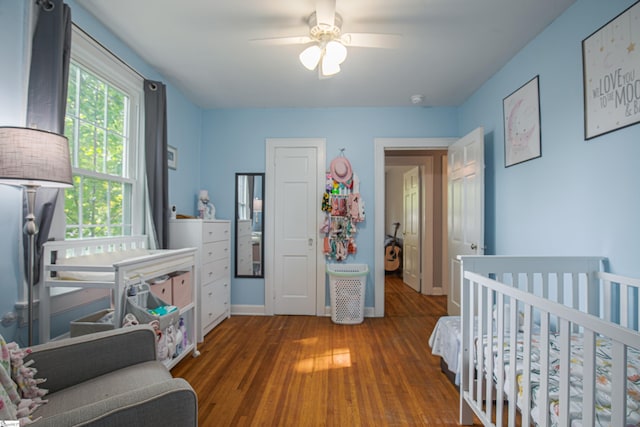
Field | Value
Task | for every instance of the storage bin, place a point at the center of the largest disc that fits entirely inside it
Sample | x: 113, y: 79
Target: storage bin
x: 94, y: 322
x: 143, y: 300
x: 162, y: 288
x: 347, y: 286
x: 181, y: 286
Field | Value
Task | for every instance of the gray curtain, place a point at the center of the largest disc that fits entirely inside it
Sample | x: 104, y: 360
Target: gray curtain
x: 47, y: 99
x: 155, y: 128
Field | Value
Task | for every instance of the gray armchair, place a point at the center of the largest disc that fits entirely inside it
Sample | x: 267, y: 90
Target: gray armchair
x: 111, y: 379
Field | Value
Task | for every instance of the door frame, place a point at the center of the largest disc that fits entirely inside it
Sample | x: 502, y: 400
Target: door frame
x: 269, y: 205
x: 380, y: 145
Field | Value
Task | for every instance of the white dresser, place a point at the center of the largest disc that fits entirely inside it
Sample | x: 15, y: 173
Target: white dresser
x: 213, y: 271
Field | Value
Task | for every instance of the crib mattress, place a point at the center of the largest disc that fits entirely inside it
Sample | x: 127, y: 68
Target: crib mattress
x: 100, y: 262
x: 603, y: 375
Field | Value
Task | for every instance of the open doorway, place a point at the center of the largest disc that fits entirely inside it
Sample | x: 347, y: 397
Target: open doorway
x: 382, y: 145
x: 415, y: 197
x: 465, y: 205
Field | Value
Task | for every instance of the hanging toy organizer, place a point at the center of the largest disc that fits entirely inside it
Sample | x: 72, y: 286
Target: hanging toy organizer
x: 343, y: 208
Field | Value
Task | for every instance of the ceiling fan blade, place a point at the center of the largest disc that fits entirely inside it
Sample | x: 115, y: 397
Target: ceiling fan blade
x: 326, y: 12
x: 278, y: 41
x: 387, y: 41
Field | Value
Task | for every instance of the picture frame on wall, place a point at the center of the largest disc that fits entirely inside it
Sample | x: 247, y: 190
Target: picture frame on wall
x: 521, y: 110
x: 172, y: 157
x: 611, y: 74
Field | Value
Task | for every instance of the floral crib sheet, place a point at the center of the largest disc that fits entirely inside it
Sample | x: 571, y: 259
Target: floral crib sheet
x: 603, y: 378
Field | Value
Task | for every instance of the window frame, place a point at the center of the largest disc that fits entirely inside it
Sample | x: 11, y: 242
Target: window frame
x: 95, y: 58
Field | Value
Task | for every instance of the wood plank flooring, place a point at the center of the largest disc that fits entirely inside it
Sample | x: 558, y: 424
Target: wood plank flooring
x: 308, y: 371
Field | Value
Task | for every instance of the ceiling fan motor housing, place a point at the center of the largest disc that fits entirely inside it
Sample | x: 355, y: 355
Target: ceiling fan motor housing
x: 322, y: 31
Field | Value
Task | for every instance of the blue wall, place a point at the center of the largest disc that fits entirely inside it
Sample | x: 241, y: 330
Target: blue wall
x: 580, y: 197
x: 12, y: 113
x: 234, y: 141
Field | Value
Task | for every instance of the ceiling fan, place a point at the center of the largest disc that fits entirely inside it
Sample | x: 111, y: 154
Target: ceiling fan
x: 328, y: 45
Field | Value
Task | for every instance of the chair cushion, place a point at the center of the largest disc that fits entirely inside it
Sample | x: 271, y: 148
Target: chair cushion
x: 103, y: 387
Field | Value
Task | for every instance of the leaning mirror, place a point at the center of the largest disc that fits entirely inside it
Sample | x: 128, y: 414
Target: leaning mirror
x: 249, y: 224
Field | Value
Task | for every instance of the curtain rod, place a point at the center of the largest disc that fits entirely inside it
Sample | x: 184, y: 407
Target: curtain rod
x: 110, y: 51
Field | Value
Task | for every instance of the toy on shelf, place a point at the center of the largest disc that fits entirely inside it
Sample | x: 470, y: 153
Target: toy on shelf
x: 206, y: 210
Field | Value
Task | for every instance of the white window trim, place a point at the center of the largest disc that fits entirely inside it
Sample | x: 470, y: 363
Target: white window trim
x: 97, y: 59
x: 88, y: 52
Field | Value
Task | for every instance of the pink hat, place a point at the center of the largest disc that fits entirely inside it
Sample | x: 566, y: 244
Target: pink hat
x: 341, y: 169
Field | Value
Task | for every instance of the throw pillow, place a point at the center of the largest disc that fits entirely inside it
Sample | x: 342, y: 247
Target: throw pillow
x: 5, y: 359
x: 7, y: 408
x: 9, y: 386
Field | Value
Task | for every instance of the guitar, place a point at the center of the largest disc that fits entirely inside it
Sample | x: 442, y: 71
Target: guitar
x: 392, y: 253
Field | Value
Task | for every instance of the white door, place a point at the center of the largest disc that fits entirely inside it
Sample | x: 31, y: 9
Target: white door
x: 295, y: 202
x: 411, y: 228
x: 465, y: 207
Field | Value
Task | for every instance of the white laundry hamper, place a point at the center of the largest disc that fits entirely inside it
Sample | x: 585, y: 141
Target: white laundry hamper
x: 347, y: 284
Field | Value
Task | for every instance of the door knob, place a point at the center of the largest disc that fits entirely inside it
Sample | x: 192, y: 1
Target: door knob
x: 474, y: 246
x: 310, y: 241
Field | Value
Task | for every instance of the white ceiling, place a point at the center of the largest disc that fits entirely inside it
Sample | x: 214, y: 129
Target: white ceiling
x: 203, y: 47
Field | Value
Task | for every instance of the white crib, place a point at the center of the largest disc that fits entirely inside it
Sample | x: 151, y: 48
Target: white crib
x: 548, y: 341
x: 111, y: 263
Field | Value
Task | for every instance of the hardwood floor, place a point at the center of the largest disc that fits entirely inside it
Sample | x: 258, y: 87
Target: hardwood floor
x: 308, y: 371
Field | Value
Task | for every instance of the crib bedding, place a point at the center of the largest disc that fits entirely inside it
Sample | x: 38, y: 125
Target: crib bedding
x: 603, y: 376
x: 445, y: 342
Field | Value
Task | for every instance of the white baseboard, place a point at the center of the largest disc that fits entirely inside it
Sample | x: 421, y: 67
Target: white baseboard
x: 247, y: 310
x: 259, y: 310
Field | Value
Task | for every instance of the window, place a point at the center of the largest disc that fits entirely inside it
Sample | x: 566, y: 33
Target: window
x: 101, y: 123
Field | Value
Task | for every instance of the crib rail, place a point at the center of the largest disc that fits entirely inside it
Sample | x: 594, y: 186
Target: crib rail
x: 520, y: 332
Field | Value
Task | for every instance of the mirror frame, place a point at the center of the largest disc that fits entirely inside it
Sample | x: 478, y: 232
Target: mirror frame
x: 260, y: 273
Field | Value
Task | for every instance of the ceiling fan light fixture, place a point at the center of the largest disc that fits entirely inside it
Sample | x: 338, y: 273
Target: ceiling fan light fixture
x: 329, y: 67
x: 310, y: 57
x: 336, y: 51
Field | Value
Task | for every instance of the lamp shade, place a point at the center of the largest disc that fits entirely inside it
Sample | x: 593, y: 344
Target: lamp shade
x: 34, y: 157
x: 257, y: 205
x: 336, y: 51
x: 311, y: 56
x: 329, y: 67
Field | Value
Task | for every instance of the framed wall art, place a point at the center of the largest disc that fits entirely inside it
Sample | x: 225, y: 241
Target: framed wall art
x: 522, y: 124
x: 172, y: 157
x: 611, y: 74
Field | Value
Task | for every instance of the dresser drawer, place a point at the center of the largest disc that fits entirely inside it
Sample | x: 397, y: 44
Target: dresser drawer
x: 215, y: 300
x: 214, y: 231
x: 214, y: 251
x: 215, y: 270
